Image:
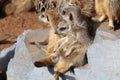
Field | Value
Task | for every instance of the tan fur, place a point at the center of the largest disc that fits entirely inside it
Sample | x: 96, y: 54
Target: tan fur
x: 107, y: 8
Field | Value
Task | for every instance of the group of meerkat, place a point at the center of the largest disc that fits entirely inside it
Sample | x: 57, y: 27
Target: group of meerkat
x: 69, y: 35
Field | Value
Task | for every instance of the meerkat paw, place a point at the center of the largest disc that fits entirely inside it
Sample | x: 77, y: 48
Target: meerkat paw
x: 111, y: 27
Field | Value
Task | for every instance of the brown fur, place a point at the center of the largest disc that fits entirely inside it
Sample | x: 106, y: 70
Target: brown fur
x: 107, y: 8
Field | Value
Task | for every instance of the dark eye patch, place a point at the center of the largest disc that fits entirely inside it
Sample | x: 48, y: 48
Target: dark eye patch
x: 62, y: 29
x: 70, y: 17
x: 63, y: 12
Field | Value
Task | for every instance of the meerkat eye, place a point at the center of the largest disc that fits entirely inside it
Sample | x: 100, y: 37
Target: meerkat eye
x: 42, y: 16
x: 70, y: 17
x: 63, y: 28
x: 43, y: 9
x: 47, y: 18
x: 63, y: 12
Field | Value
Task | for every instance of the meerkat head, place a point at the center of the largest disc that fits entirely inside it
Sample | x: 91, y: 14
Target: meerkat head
x: 73, y: 15
x: 67, y: 15
x: 44, y: 18
x: 63, y: 28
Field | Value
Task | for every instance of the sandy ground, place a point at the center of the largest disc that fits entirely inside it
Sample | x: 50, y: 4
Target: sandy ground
x: 13, y: 25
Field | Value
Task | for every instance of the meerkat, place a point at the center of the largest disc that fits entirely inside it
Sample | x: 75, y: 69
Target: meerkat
x: 17, y: 6
x: 107, y: 8
x: 73, y: 15
x: 52, y: 18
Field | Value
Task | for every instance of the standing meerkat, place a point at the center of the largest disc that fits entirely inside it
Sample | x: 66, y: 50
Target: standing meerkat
x: 52, y: 18
x: 107, y: 8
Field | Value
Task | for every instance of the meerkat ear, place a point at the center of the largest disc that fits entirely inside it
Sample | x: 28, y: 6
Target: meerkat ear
x: 71, y: 17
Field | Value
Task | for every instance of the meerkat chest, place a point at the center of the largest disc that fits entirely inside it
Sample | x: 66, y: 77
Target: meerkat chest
x: 69, y: 40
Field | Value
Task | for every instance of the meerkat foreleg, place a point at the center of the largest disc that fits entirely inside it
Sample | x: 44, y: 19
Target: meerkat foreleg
x: 59, y: 43
x: 100, y: 19
x: 72, y: 47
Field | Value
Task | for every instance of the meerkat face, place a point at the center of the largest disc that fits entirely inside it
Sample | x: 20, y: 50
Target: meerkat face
x: 43, y: 18
x: 67, y: 15
x: 63, y: 29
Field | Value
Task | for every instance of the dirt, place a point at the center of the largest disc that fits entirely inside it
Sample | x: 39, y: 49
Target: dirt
x: 14, y: 25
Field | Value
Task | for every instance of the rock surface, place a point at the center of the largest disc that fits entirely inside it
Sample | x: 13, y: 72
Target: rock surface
x: 103, y: 58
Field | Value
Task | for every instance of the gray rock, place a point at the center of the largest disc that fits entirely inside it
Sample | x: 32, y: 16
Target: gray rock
x: 5, y: 56
x: 103, y: 59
